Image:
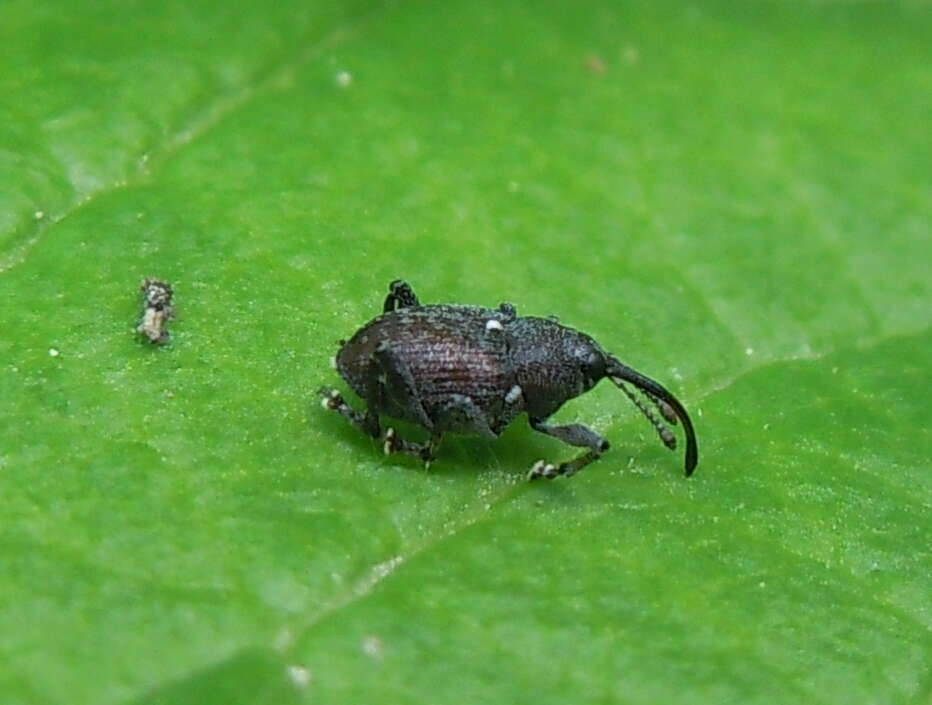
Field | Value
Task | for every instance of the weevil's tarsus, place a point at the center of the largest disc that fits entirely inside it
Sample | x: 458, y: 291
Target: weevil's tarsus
x: 393, y: 443
x: 575, y: 435
x: 400, y: 295
x: 367, y: 422
x: 619, y: 372
x: 508, y: 311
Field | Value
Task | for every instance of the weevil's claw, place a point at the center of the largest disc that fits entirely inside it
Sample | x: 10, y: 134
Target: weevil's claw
x: 427, y: 456
x: 330, y: 398
x: 389, y: 441
x: 542, y: 469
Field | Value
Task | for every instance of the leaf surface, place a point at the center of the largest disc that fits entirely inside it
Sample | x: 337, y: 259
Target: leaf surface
x: 734, y: 199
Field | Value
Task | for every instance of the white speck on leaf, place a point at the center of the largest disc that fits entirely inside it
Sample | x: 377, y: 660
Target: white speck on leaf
x: 284, y: 639
x: 372, y: 647
x: 344, y: 79
x: 377, y: 574
x: 299, y: 675
x: 54, y: 352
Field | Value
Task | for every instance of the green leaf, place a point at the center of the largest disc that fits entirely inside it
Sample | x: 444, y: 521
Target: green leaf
x: 733, y: 198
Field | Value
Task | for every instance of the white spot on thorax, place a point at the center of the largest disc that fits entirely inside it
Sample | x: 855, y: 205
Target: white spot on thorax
x: 492, y: 324
x: 54, y: 352
x: 513, y: 395
x: 344, y: 79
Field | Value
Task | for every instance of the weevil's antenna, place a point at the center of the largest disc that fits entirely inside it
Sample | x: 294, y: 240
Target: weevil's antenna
x: 665, y: 409
x: 666, y: 435
x: 668, y: 405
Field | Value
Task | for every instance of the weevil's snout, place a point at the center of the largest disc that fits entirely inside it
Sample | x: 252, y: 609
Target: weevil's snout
x: 663, y: 401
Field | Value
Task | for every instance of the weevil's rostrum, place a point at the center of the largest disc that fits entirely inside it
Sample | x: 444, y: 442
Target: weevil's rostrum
x: 468, y: 369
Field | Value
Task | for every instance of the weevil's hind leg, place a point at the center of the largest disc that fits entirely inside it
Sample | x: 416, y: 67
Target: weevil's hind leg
x: 575, y: 435
x: 400, y: 295
x: 392, y: 387
x: 368, y: 422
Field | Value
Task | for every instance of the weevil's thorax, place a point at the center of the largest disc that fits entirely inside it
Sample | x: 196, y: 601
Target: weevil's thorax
x: 552, y: 363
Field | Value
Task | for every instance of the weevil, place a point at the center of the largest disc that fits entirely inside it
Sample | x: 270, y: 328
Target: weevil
x: 473, y: 370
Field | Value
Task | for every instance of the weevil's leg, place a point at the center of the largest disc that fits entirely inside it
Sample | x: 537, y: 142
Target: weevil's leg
x: 508, y: 311
x: 368, y: 423
x: 400, y: 295
x: 392, y: 388
x: 391, y: 443
x: 576, y: 435
x: 459, y: 412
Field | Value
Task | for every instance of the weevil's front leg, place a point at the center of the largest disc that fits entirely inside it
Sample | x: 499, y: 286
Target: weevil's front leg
x: 576, y: 435
x: 368, y: 423
x: 400, y: 295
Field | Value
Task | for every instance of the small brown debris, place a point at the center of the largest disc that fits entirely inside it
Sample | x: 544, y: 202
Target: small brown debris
x: 158, y: 310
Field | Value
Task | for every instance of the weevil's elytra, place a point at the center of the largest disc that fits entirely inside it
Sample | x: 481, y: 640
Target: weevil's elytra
x: 468, y: 369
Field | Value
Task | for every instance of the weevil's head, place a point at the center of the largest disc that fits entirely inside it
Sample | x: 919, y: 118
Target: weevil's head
x: 553, y: 363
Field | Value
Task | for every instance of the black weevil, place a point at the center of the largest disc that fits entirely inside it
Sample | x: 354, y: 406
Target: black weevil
x: 469, y: 369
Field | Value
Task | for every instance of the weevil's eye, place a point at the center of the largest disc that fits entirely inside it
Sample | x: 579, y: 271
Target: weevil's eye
x: 593, y: 367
